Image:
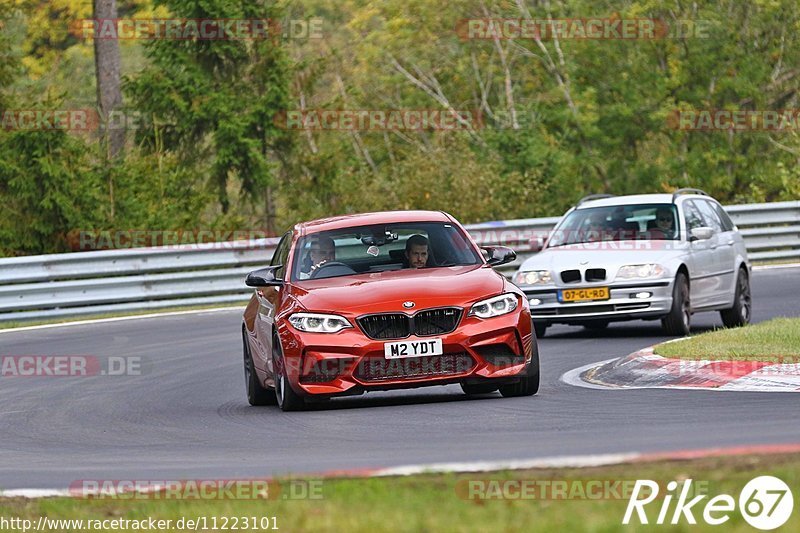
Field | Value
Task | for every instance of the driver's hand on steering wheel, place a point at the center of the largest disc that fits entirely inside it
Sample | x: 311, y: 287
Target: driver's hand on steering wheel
x: 314, y: 267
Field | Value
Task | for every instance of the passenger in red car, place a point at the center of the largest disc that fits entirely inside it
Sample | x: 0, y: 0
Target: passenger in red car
x: 417, y: 251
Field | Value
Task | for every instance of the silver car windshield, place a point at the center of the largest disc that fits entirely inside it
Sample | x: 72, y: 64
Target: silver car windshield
x: 617, y: 223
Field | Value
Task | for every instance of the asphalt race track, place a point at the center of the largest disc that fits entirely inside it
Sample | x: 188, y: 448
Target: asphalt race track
x: 187, y: 417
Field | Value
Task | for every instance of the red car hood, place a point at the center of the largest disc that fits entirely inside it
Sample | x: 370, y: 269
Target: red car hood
x: 386, y: 291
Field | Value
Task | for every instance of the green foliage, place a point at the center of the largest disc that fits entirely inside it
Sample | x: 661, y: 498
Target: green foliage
x: 592, y: 115
x: 449, y: 176
x: 212, y: 101
x: 561, y: 119
x: 156, y: 193
x: 9, y: 57
x: 45, y: 190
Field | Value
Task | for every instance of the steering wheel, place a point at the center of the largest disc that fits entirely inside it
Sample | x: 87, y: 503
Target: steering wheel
x: 345, y: 269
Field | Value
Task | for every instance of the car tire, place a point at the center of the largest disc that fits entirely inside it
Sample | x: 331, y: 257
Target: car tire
x: 474, y: 389
x: 256, y: 393
x: 739, y: 314
x: 678, y: 321
x: 596, y: 324
x: 540, y: 328
x: 528, y: 385
x: 287, y: 398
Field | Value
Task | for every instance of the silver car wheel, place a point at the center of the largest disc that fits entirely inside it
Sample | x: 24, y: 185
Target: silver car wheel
x: 745, y: 302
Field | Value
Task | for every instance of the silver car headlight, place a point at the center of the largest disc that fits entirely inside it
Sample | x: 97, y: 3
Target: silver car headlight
x: 646, y: 271
x: 319, y: 323
x: 499, y: 305
x: 533, y: 277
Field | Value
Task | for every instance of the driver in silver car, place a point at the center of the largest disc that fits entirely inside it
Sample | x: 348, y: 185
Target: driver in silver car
x: 321, y: 251
x: 665, y: 222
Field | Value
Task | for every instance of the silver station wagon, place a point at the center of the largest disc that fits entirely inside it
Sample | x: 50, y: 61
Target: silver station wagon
x: 648, y: 256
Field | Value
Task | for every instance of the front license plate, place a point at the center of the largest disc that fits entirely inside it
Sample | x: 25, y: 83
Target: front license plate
x: 583, y: 295
x: 399, y: 350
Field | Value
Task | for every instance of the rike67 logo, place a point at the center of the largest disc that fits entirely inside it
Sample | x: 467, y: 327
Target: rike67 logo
x: 765, y: 503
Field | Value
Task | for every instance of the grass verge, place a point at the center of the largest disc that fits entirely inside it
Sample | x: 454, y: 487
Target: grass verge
x: 440, y: 502
x: 776, y: 340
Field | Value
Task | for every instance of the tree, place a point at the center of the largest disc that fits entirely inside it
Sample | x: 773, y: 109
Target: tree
x: 107, y: 74
x: 213, y: 101
x: 109, y: 95
x: 46, y: 189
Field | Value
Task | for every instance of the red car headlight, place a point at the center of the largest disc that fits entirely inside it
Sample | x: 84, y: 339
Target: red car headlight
x: 499, y: 305
x: 319, y: 323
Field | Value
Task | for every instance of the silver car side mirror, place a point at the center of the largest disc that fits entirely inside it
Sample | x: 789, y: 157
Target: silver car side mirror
x: 701, y: 234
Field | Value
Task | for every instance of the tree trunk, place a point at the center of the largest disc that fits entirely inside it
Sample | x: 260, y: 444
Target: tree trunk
x: 107, y: 73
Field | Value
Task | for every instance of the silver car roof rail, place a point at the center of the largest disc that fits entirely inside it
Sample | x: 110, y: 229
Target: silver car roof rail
x: 688, y: 190
x: 594, y: 197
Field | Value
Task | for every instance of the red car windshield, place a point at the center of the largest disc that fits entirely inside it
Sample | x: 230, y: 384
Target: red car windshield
x: 379, y: 248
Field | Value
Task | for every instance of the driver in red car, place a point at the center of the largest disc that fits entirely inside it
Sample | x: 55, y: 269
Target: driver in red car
x: 417, y: 251
x: 322, y: 250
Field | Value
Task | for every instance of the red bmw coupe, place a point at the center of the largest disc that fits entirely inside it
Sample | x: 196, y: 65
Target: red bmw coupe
x: 382, y: 301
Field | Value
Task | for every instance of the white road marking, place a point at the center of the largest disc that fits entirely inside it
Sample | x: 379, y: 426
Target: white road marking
x: 121, y: 318
x: 776, y: 267
x: 34, y: 493
x: 568, y: 461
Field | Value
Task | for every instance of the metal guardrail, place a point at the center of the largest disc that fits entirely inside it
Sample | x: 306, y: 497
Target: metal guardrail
x: 112, y: 281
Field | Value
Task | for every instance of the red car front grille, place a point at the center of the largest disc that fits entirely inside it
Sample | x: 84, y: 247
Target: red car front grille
x: 380, y: 369
x: 425, y: 323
